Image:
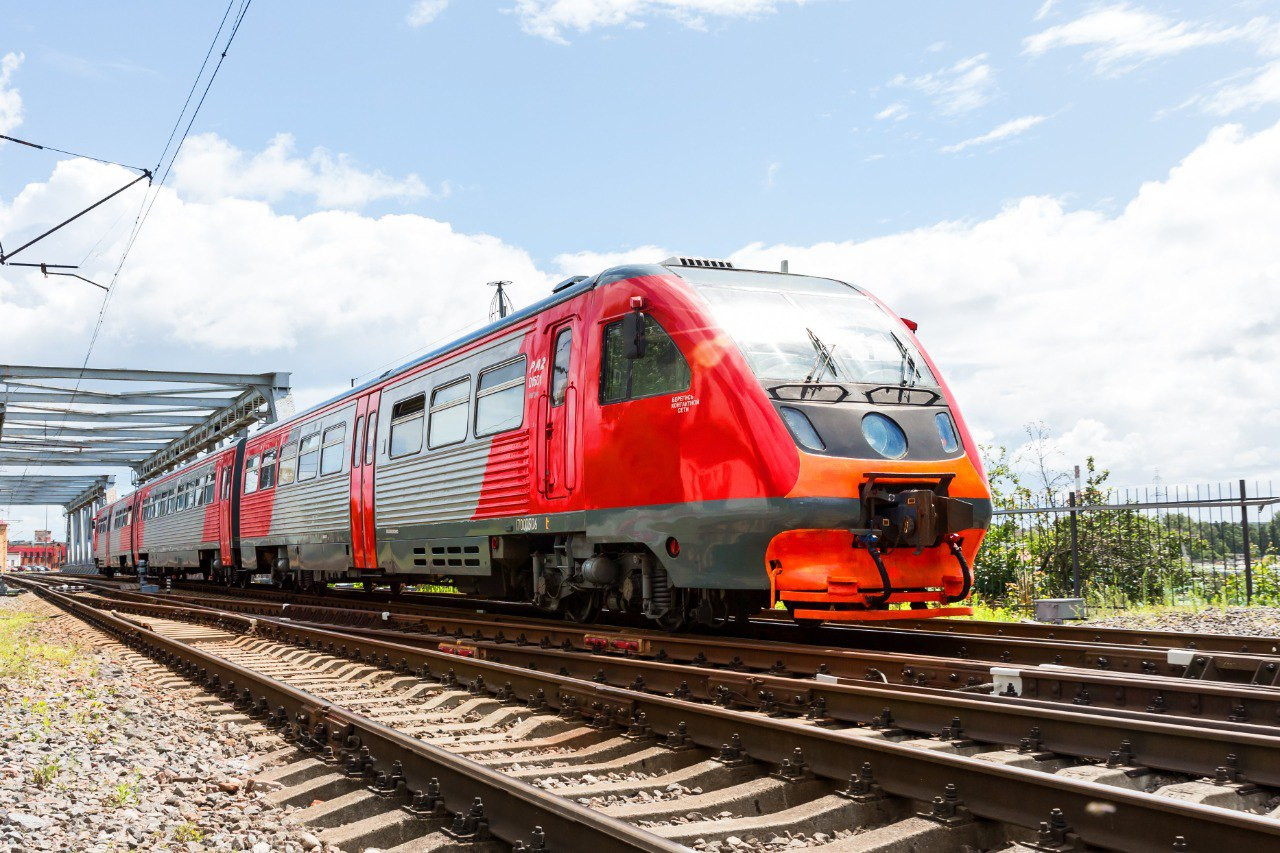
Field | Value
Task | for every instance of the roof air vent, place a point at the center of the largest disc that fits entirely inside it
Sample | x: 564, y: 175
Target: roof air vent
x: 568, y: 282
x: 706, y: 263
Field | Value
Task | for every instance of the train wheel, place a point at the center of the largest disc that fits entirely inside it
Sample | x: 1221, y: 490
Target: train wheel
x: 581, y: 607
x: 672, y: 621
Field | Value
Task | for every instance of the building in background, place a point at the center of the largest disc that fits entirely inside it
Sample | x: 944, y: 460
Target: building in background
x: 43, y: 551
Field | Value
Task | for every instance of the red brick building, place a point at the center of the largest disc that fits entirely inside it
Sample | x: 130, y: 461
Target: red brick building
x: 42, y: 552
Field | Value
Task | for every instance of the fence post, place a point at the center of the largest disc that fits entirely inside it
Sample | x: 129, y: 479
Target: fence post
x: 1075, y: 548
x: 1244, y: 528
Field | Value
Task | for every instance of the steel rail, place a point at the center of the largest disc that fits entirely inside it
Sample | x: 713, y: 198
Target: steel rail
x: 781, y: 629
x: 1231, y: 643
x: 512, y: 807
x: 1102, y: 815
x: 1200, y: 700
x: 1203, y: 700
x: 1227, y: 666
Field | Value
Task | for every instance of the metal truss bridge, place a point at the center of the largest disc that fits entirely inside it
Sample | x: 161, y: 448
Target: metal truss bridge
x: 147, y: 420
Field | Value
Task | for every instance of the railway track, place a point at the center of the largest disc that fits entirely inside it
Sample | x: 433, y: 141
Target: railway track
x: 1105, y: 676
x: 680, y: 750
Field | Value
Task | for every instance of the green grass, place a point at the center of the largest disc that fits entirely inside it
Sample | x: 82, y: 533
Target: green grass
x: 25, y: 656
x: 185, y: 832
x: 123, y: 794
x: 45, y: 772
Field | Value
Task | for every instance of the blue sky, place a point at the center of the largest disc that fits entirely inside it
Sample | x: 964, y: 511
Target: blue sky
x: 1077, y: 201
x: 752, y: 128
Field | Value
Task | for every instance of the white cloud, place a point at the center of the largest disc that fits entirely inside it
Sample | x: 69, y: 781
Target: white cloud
x: 897, y: 112
x: 1013, y: 127
x: 1121, y: 37
x: 588, y: 263
x: 231, y: 284
x: 1044, y: 10
x: 959, y: 88
x: 10, y: 100
x: 425, y: 11
x: 1262, y: 88
x: 211, y: 168
x: 551, y: 18
x: 1144, y: 336
x: 1155, y: 323
x: 771, y: 175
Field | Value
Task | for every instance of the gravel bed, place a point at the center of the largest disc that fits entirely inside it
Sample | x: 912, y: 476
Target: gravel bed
x: 93, y: 757
x: 1246, y: 621
x: 553, y: 782
x: 771, y: 842
x: 674, y: 791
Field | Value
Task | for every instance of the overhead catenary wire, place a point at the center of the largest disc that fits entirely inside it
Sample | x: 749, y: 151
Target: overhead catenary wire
x: 146, y: 205
x: 70, y: 153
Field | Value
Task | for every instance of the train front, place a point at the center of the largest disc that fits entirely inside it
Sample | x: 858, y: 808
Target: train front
x: 890, y: 502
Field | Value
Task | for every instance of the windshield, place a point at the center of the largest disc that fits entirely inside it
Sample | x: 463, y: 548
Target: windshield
x: 799, y: 329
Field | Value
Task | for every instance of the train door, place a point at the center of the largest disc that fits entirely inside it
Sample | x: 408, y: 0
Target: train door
x: 364, y: 445
x: 226, y: 473
x: 560, y: 412
x: 135, y: 528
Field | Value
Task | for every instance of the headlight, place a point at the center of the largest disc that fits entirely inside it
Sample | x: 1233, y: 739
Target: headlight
x: 884, y: 436
x: 798, y: 422
x: 947, y: 432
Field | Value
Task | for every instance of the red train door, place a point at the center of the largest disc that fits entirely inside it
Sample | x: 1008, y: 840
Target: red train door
x: 135, y: 523
x: 226, y: 472
x: 560, y: 409
x: 364, y: 446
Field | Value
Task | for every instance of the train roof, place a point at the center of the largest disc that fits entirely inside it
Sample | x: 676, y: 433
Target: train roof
x: 562, y: 292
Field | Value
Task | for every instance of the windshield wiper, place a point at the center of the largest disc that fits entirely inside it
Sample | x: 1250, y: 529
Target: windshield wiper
x: 824, y: 361
x: 908, y: 364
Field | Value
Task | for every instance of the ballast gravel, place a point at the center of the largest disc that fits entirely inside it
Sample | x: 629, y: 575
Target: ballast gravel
x: 94, y: 757
x: 1245, y: 621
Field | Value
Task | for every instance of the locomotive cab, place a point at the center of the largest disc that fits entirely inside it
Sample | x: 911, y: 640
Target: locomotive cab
x: 892, y: 501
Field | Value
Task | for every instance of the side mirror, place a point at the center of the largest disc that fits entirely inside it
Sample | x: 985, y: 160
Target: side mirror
x: 633, y: 334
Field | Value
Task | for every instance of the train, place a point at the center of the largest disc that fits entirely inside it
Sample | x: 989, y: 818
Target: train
x: 687, y: 442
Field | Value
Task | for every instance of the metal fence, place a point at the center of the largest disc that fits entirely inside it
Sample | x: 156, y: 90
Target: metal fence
x: 1118, y: 547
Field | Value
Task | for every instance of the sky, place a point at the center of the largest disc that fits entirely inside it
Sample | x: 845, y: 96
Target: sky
x: 1078, y: 202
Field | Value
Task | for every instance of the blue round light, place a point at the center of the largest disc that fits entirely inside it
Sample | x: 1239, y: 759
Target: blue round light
x: 884, y: 436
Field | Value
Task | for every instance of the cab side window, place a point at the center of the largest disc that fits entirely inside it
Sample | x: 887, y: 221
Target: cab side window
x: 560, y: 367
x: 662, y: 370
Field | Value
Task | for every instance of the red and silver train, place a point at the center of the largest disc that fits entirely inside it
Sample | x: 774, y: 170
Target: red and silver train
x: 687, y: 441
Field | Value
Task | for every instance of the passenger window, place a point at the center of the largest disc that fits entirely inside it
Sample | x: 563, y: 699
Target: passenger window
x: 371, y: 443
x: 663, y: 369
x: 309, y: 457
x: 560, y: 367
x: 331, y: 453
x: 449, y: 414
x: 288, y: 464
x: 250, y: 477
x: 500, y: 398
x: 406, y: 426
x: 268, y: 477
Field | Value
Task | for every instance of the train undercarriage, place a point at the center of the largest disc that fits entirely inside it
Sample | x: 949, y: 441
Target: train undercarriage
x: 566, y: 575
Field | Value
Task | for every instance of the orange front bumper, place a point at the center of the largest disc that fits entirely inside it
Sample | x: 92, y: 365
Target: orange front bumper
x: 823, y: 568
